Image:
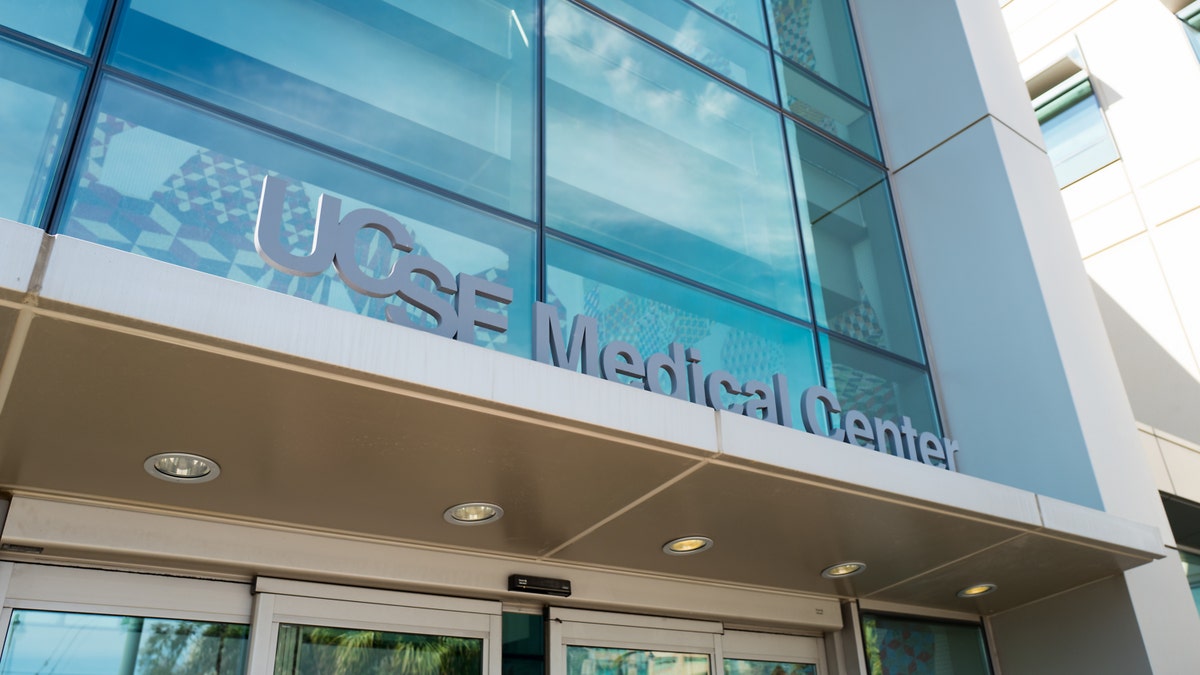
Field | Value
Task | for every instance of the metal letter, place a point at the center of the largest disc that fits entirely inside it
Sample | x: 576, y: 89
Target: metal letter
x: 761, y: 403
x: 422, y: 298
x: 471, y: 315
x: 346, y: 260
x: 714, y: 383
x: 858, y: 429
x: 808, y: 411
x: 622, y: 358
x: 548, y: 341
x: 884, y: 429
x: 675, y: 366
x: 951, y: 449
x: 783, y: 400
x: 929, y: 448
x: 268, y: 232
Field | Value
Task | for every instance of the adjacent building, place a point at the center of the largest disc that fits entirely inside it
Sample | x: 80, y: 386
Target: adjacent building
x: 520, y: 336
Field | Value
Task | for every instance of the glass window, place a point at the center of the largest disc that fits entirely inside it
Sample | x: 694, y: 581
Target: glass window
x: 1191, y: 568
x: 179, y: 185
x: 612, y: 661
x: 697, y: 35
x: 895, y: 645
x: 524, y: 650
x: 879, y: 387
x: 95, y: 644
x: 745, y: 15
x: 1190, y: 16
x: 440, y: 91
x: 314, y: 650
x: 650, y: 312
x: 817, y: 36
x: 1077, y: 138
x: 37, y: 101
x: 659, y: 162
x: 744, y: 667
x: 827, y: 108
x: 860, y: 283
x: 67, y: 23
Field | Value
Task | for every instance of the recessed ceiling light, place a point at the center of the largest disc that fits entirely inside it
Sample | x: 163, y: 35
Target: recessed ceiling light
x: 841, y: 570
x: 182, y: 467
x: 687, y: 545
x: 473, y: 513
x: 976, y: 590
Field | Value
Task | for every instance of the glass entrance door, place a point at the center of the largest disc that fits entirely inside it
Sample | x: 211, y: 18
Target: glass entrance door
x: 600, y: 643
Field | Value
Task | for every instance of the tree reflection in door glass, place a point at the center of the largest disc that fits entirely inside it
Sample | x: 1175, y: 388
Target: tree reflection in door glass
x: 744, y: 667
x: 313, y: 650
x: 95, y: 644
x: 609, y: 661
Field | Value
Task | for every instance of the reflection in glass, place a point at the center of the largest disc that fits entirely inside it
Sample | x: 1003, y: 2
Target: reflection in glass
x: 855, y: 265
x: 650, y: 312
x: 441, y: 91
x: 1077, y: 139
x: 94, y: 644
x: 697, y: 35
x: 311, y: 650
x: 524, y: 648
x: 66, y: 23
x: 820, y: 105
x: 913, y: 646
x: 744, y: 667
x: 1191, y: 568
x: 817, y: 35
x: 879, y: 386
x: 660, y: 162
x: 37, y: 100
x: 745, y: 15
x: 179, y: 185
x: 609, y: 661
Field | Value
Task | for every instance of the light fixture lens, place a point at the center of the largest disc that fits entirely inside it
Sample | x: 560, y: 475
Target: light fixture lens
x: 841, y: 570
x: 687, y: 545
x: 976, y: 590
x: 182, y: 467
x: 473, y: 513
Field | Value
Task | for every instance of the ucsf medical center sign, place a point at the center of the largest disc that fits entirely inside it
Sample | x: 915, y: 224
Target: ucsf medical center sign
x: 453, y: 308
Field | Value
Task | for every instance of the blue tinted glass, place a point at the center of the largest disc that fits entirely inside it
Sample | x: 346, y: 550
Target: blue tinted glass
x: 650, y: 312
x: 827, y: 109
x: 95, y: 644
x: 37, y: 100
x: 1077, y: 139
x: 855, y: 264
x: 181, y: 186
x: 818, y: 36
x: 878, y: 386
x: 901, y: 645
x: 745, y: 15
x: 1191, y: 568
x: 66, y: 23
x: 657, y: 161
x: 441, y: 91
x: 697, y: 35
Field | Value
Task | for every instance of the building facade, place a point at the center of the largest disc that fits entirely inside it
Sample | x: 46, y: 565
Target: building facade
x: 555, y: 336
x: 1128, y: 171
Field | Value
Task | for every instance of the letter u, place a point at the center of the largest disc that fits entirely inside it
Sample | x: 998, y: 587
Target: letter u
x: 268, y: 232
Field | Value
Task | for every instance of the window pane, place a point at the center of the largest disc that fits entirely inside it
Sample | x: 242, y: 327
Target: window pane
x: 829, y: 110
x: 657, y: 161
x: 650, y: 312
x: 855, y: 264
x: 1077, y: 139
x: 37, y: 99
x: 441, y: 91
x: 699, y: 36
x: 524, y: 650
x: 904, y: 646
x: 879, y: 387
x: 94, y: 644
x: 817, y: 35
x: 66, y: 23
x: 609, y: 661
x: 744, y: 667
x: 311, y: 650
x: 745, y: 15
x: 178, y: 185
x: 1191, y: 568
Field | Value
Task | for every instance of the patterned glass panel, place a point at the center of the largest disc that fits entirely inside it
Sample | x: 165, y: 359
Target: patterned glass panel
x: 898, y: 646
